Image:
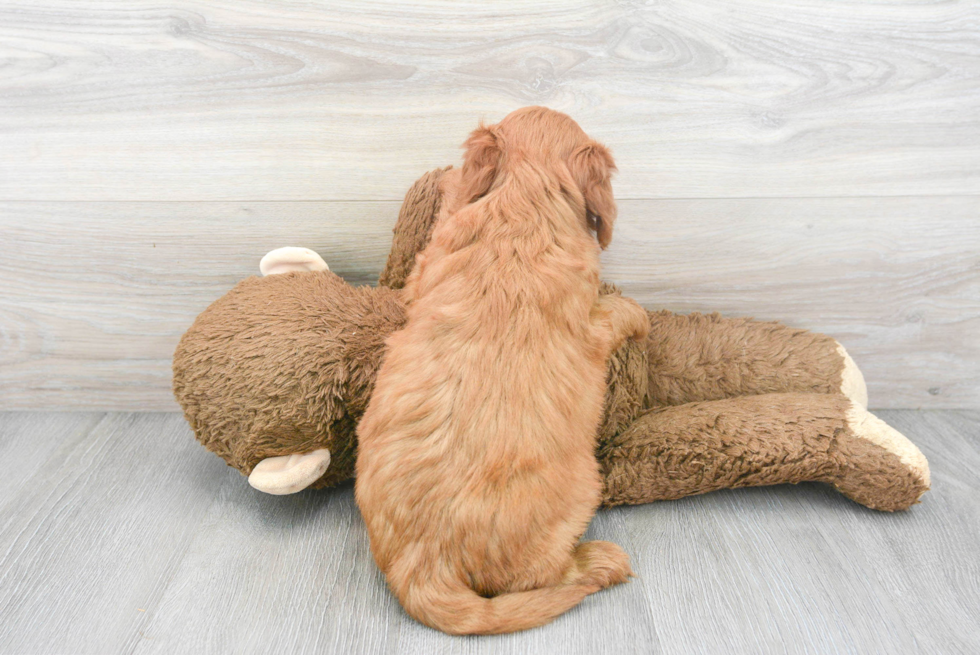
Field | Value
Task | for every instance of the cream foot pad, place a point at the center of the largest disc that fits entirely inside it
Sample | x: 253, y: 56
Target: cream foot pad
x: 852, y: 381
x: 865, y: 425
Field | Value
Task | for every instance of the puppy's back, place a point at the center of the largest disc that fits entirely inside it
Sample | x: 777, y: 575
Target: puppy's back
x: 477, y: 474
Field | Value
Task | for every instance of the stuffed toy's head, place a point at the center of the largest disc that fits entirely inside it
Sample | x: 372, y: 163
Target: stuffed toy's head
x: 284, y: 365
x: 274, y: 376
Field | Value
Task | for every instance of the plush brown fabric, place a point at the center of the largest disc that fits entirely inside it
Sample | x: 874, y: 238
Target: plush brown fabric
x: 752, y: 441
x: 413, y: 229
x: 697, y: 357
x: 285, y: 364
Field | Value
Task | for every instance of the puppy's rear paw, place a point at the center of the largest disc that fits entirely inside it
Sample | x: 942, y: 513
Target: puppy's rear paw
x: 602, y: 563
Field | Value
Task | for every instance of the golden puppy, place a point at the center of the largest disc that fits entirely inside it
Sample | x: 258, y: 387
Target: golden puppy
x: 476, y: 472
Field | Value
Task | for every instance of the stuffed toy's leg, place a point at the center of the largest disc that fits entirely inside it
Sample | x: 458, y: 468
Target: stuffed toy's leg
x: 289, y: 474
x: 695, y: 357
x: 749, y: 441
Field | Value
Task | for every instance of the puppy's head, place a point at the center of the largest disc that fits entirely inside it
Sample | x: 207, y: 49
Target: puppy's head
x: 554, y: 140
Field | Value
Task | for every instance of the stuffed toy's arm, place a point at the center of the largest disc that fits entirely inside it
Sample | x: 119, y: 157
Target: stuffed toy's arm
x: 416, y: 219
x: 696, y: 357
x: 769, y: 439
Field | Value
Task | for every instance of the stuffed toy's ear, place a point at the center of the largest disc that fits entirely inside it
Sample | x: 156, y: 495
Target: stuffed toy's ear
x: 287, y: 260
x: 592, y: 167
x: 288, y: 474
x: 480, y: 163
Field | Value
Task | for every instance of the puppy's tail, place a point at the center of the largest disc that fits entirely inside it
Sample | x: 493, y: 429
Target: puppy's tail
x: 455, y: 608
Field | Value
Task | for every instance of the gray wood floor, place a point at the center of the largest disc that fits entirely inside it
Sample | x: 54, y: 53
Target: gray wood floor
x: 118, y: 533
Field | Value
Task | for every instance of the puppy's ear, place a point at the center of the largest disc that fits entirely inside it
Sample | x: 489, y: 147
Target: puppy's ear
x: 592, y: 167
x: 480, y: 163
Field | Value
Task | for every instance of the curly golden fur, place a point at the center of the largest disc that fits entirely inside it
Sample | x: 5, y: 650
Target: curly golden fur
x: 476, y: 473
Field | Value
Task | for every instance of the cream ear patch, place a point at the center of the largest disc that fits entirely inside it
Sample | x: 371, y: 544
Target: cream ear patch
x: 288, y: 260
x: 852, y: 380
x: 288, y: 474
x: 865, y: 425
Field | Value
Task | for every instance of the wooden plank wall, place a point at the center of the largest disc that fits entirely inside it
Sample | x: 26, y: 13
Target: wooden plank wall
x: 805, y: 161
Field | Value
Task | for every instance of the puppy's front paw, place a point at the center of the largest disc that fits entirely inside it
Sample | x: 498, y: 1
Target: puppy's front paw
x: 638, y: 321
x: 624, y: 318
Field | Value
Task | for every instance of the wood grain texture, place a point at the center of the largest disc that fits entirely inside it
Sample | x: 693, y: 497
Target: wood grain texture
x: 771, y: 570
x: 127, y: 537
x: 96, y: 295
x: 896, y: 280
x: 23, y: 457
x: 283, y: 100
x: 89, y: 541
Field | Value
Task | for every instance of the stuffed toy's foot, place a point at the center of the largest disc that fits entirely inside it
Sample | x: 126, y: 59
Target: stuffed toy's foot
x: 871, y: 479
x: 288, y: 260
x: 767, y: 439
x: 289, y: 474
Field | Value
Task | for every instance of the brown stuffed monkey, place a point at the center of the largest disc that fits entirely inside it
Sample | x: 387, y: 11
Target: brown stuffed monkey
x: 274, y: 376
